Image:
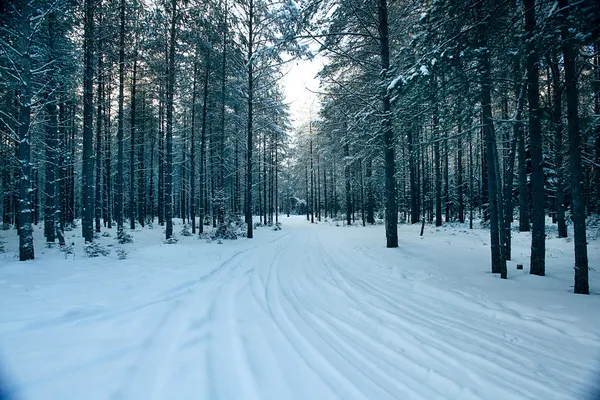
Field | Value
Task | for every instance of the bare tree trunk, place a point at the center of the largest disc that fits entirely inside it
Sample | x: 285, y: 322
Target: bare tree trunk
x: 391, y: 215
x: 538, y: 236
x: 202, y: 200
x: 437, y: 161
x: 51, y: 162
x: 459, y: 178
x: 87, y: 173
x: 170, y: 92
x: 250, y: 119
x: 120, y: 120
x: 132, y: 138
x: 193, y: 152
x: 141, y: 170
x: 498, y: 261
x: 99, y: 118
x: 577, y: 179
x: 556, y: 117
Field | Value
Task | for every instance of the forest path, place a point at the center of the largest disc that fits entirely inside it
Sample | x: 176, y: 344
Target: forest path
x: 313, y: 311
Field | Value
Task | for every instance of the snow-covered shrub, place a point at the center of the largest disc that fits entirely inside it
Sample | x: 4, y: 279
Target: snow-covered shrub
x: 122, y: 253
x: 124, y: 237
x: 95, y: 249
x: 2, y: 243
x: 105, y: 234
x: 185, y: 231
x: 172, y: 240
x: 593, y: 226
x: 69, y: 250
x: 257, y: 225
x: 277, y: 226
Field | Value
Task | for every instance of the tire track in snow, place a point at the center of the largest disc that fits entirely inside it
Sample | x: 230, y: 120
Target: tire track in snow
x: 413, y: 311
x: 307, y: 350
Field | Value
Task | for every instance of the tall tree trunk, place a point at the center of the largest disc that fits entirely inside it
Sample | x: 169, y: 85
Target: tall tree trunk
x: 446, y: 181
x: 120, y: 120
x: 51, y: 162
x: 99, y: 133
x: 151, y: 184
x: 459, y: 177
x: 538, y: 236
x: 193, y: 152
x: 250, y: 119
x: 412, y: 168
x: 108, y: 189
x: 577, y: 179
x: 132, y: 138
x: 87, y: 173
x: 556, y: 118
x: 391, y: 215
x: 170, y: 92
x: 202, y: 200
x: 221, y: 154
x: 498, y: 261
x: 437, y: 161
x: 347, y: 181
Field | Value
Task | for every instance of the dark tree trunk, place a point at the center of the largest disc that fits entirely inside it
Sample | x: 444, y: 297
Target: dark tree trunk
x: 556, y: 118
x: 132, y: 138
x: 538, y: 237
x: 498, y: 261
x: 87, y: 172
x: 51, y: 162
x: 250, y: 119
x: 120, y: 120
x: 412, y: 161
x: 170, y: 92
x: 391, y: 215
x: 437, y: 161
x: 347, y: 179
x: 202, y: 200
x: 446, y: 182
x: 370, y: 197
x: 509, y: 173
x: 99, y: 133
x: 459, y: 177
x: 141, y: 170
x: 193, y: 152
x: 577, y: 179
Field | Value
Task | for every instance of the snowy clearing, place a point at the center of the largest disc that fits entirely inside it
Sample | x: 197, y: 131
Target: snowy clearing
x: 309, y: 312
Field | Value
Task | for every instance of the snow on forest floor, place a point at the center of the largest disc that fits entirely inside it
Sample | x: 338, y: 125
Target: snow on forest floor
x: 309, y: 312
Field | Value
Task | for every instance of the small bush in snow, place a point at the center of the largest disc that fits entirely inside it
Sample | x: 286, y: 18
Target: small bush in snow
x: 185, y: 231
x: 50, y: 245
x: 94, y: 249
x: 257, y: 225
x: 2, y: 248
x: 277, y: 226
x: 172, y: 240
x: 69, y: 250
x: 122, y: 253
x: 105, y: 234
x: 124, y: 237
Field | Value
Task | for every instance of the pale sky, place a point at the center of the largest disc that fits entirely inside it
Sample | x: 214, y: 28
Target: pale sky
x: 298, y: 83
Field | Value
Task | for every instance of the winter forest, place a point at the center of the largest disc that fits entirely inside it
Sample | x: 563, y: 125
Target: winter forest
x: 143, y: 143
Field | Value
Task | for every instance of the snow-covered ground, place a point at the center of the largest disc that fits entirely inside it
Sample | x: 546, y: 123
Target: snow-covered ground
x: 309, y: 312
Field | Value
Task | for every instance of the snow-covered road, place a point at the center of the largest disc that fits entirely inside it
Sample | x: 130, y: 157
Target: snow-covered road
x: 309, y: 312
